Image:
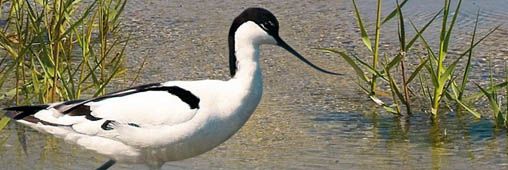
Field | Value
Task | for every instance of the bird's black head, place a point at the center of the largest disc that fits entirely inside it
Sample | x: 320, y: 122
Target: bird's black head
x: 267, y: 22
x: 262, y: 17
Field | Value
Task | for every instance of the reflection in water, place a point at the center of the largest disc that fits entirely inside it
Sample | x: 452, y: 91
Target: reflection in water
x: 281, y: 139
x: 306, y: 120
x: 445, y: 143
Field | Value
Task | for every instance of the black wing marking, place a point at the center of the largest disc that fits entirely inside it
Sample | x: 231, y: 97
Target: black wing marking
x: 184, y: 95
x: 78, y: 107
x: 107, y: 125
x: 75, y: 106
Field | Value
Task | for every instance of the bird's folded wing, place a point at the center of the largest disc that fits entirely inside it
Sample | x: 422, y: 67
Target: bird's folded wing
x: 142, y: 106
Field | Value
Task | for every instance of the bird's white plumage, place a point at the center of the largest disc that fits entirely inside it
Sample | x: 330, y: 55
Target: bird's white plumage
x: 151, y: 108
x: 168, y: 129
x: 170, y: 121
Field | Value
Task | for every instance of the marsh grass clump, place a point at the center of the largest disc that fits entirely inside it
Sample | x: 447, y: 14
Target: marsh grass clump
x: 59, y: 50
x: 494, y: 94
x: 434, y: 78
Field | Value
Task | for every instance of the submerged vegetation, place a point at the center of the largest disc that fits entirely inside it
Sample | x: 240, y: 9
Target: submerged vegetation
x: 59, y: 50
x: 436, y: 76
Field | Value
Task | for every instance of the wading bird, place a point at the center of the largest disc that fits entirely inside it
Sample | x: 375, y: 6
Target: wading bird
x: 155, y: 123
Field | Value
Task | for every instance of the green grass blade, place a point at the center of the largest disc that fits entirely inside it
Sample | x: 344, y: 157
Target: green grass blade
x: 443, y: 73
x: 376, y: 46
x: 119, y: 11
x: 449, y: 71
x: 455, y: 89
x: 427, y: 46
x: 431, y: 72
x: 489, y: 90
x: 438, y: 89
x: 468, y: 64
x: 79, y: 21
x: 350, y: 61
x: 394, y: 62
x: 506, y: 90
x: 116, y: 71
x: 493, y: 102
x: 468, y: 108
x: 393, y: 13
x: 389, y: 109
x: 452, y: 24
x: 9, y: 69
x: 3, y: 122
x: 446, y: 8
x: 402, y: 31
x: 369, y: 68
x: 425, y: 88
x: 362, y: 88
x: 365, y: 36
x: 9, y: 93
x: 420, y: 32
x: 379, y: 102
x: 417, y: 71
x: 491, y: 79
x: 34, y: 78
x: 394, y: 88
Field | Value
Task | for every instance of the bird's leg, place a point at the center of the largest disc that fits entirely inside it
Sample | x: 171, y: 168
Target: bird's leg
x: 155, y: 165
x: 106, y: 165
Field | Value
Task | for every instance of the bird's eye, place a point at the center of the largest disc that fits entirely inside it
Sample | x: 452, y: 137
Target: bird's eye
x: 263, y: 26
x: 271, y: 23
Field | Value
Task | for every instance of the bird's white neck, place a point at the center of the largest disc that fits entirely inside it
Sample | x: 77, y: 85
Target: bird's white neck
x: 247, y: 78
x: 247, y: 39
x: 247, y: 62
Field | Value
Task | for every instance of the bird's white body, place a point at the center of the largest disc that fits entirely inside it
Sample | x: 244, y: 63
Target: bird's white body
x: 175, y: 120
x: 168, y: 130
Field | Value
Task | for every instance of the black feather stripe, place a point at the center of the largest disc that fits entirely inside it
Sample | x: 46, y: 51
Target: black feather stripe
x: 20, y: 112
x: 80, y: 109
x: 184, y: 95
x: 137, y: 89
x: 31, y: 119
x: 133, y: 124
x: 27, y: 113
x: 105, y: 125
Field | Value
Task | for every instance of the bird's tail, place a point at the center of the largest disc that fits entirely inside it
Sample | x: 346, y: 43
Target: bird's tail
x: 23, y: 112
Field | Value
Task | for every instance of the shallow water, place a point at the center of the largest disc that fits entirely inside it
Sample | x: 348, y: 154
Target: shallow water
x: 306, y: 120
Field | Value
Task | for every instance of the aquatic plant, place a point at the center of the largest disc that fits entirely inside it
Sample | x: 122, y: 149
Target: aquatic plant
x: 442, y: 76
x: 59, y: 50
x: 494, y: 98
x: 436, y: 83
x: 399, y: 96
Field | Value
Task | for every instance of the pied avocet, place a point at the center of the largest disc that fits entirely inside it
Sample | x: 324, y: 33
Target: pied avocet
x: 175, y: 120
